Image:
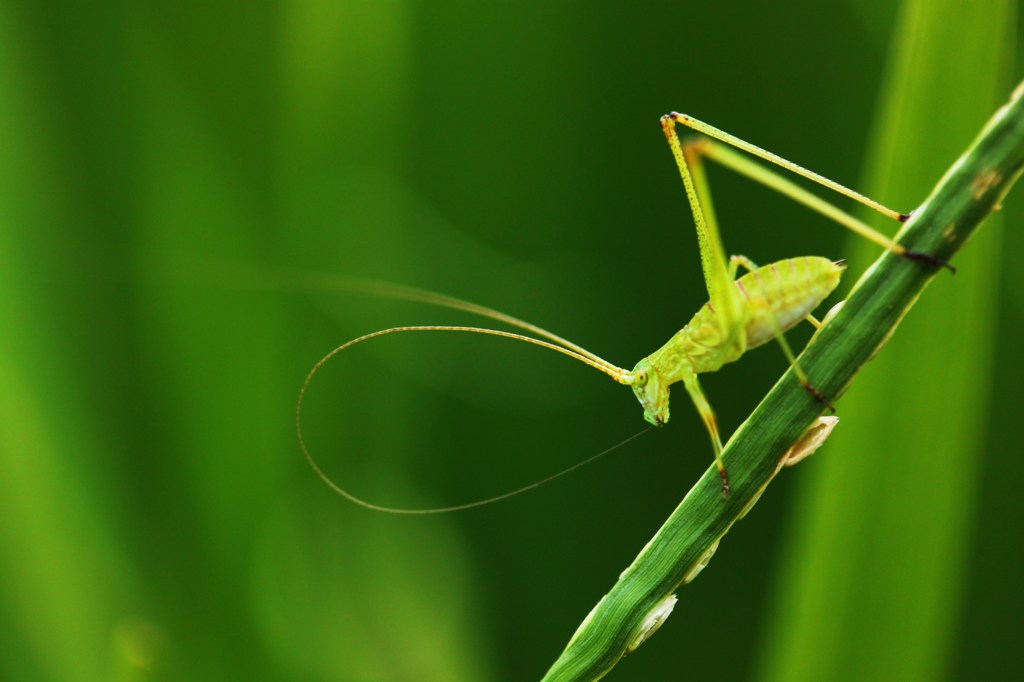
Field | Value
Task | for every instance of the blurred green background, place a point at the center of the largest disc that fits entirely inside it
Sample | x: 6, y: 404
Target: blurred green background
x: 183, y: 188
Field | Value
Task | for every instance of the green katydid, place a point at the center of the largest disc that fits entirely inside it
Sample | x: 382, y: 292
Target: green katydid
x: 740, y: 314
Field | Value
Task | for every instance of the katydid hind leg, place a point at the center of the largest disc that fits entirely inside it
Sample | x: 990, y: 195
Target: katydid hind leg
x: 722, y: 292
x: 754, y: 150
x: 718, y: 149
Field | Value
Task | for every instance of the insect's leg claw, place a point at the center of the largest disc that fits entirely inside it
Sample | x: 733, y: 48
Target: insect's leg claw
x: 725, y: 484
x: 820, y: 397
x: 930, y: 259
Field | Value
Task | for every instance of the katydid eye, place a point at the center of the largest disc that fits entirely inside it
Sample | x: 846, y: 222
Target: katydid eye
x: 641, y: 377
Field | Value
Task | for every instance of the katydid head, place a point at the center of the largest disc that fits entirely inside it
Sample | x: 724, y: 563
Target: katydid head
x: 651, y: 390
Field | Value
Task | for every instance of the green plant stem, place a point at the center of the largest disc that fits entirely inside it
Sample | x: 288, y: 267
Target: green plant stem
x: 972, y: 188
x: 882, y: 533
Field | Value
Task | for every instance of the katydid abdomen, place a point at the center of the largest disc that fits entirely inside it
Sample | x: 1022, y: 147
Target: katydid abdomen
x: 782, y: 294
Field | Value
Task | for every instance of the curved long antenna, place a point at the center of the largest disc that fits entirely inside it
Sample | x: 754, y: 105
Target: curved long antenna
x: 289, y: 279
x: 605, y: 367
x: 407, y: 293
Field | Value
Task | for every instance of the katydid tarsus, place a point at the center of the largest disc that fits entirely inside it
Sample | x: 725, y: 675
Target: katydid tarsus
x: 740, y: 314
